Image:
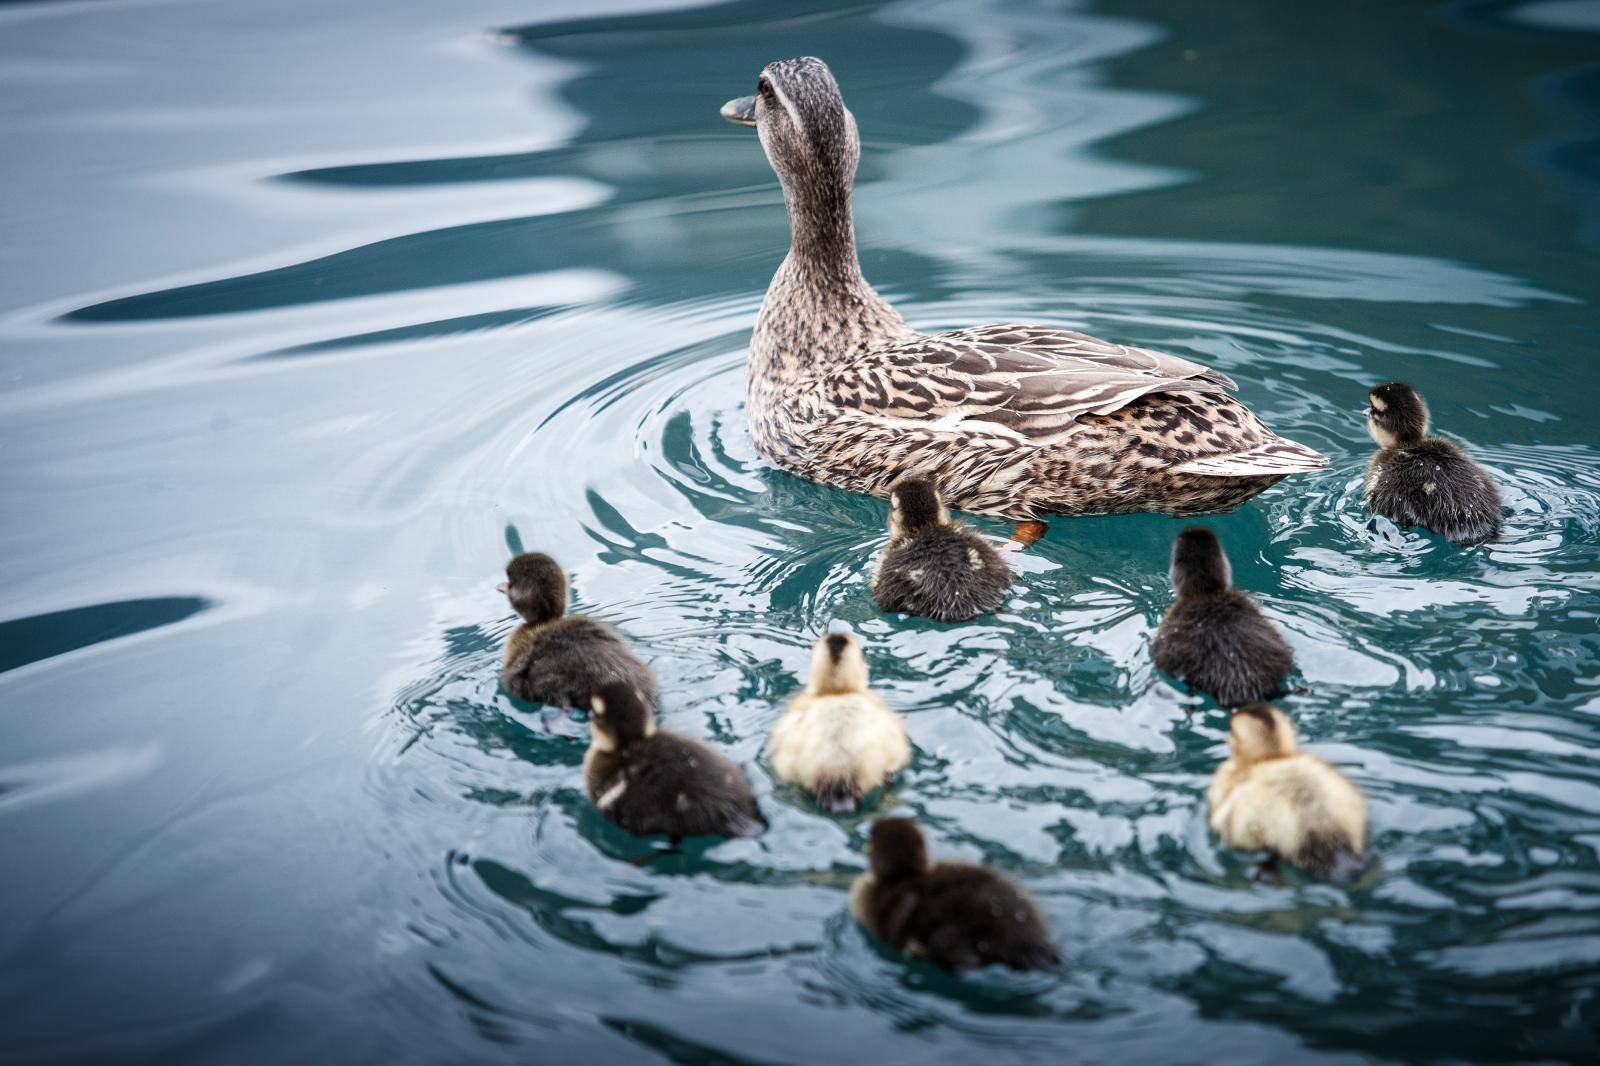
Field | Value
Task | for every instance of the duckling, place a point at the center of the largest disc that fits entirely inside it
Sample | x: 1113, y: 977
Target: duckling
x: 837, y: 740
x: 1418, y: 480
x: 954, y: 915
x: 1269, y: 796
x: 1214, y: 638
x: 560, y: 660
x: 934, y: 567
x: 648, y: 781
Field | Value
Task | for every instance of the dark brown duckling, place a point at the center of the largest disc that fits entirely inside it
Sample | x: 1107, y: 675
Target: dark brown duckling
x: 955, y: 915
x: 648, y: 781
x: 1214, y: 638
x: 1418, y: 480
x: 558, y: 659
x: 935, y: 567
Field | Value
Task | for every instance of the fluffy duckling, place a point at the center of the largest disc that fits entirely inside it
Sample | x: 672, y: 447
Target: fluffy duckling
x: 1214, y: 638
x: 648, y: 781
x: 1269, y: 796
x: 955, y: 915
x: 837, y: 740
x: 555, y: 659
x: 1418, y: 480
x: 934, y: 567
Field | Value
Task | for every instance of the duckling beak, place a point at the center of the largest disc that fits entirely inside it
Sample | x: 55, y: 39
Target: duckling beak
x: 501, y: 588
x: 740, y: 112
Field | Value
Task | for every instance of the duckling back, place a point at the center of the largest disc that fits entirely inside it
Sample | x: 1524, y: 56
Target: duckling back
x: 1221, y: 644
x: 944, y: 572
x: 838, y: 747
x: 958, y: 917
x: 668, y: 784
x: 561, y: 662
x: 1435, y: 485
x: 1297, y: 807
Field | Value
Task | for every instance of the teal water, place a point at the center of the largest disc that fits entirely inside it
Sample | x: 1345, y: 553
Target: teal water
x: 312, y: 312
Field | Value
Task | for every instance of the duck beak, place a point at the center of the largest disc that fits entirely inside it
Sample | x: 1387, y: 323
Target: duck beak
x: 501, y: 588
x: 740, y: 112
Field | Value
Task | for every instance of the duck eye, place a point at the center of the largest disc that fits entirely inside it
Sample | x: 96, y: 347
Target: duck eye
x: 765, y: 88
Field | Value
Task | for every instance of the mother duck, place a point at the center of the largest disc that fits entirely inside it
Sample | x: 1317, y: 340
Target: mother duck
x: 1017, y: 421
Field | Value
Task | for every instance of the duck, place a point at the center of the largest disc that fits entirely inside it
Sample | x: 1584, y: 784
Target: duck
x: 555, y: 658
x: 1018, y: 421
x: 952, y: 914
x: 837, y: 740
x: 1270, y: 796
x: 935, y: 567
x: 1418, y: 480
x: 648, y: 782
x: 1214, y: 638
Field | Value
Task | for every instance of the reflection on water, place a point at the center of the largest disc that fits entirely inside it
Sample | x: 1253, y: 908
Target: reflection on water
x: 294, y: 362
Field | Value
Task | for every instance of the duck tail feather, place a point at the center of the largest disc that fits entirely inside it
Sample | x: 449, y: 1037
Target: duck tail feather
x: 837, y: 795
x: 1277, y: 456
x: 1331, y: 857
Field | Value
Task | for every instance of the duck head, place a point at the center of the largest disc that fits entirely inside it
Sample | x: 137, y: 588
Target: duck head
x: 896, y: 850
x: 537, y: 587
x: 914, y: 504
x: 1199, y: 566
x: 1258, y: 732
x: 811, y: 141
x: 838, y: 666
x: 808, y: 134
x: 619, y: 715
x: 1396, y: 415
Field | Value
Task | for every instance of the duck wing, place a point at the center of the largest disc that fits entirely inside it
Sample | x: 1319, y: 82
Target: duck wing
x: 1051, y: 342
x: 1024, y: 381
x: 1032, y: 384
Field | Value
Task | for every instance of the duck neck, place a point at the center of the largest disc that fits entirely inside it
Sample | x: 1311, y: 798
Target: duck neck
x: 819, y: 310
x: 822, y: 235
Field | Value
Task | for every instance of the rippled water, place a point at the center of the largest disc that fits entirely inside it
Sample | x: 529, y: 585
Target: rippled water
x: 312, y: 312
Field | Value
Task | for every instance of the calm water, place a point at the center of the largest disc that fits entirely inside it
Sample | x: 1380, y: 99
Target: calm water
x: 313, y: 311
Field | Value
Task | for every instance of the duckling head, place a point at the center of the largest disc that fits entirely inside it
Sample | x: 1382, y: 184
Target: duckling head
x: 1258, y: 732
x: 537, y: 587
x: 1199, y: 566
x: 1396, y: 415
x: 808, y: 134
x: 619, y: 715
x: 896, y: 850
x: 914, y: 504
x: 838, y: 666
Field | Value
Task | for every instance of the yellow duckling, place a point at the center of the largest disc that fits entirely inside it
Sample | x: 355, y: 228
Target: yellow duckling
x: 837, y: 740
x: 1269, y: 796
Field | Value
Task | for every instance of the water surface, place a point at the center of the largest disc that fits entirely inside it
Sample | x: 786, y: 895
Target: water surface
x: 314, y: 311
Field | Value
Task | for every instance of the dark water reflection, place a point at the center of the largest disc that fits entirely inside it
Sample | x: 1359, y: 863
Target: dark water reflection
x: 294, y: 359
